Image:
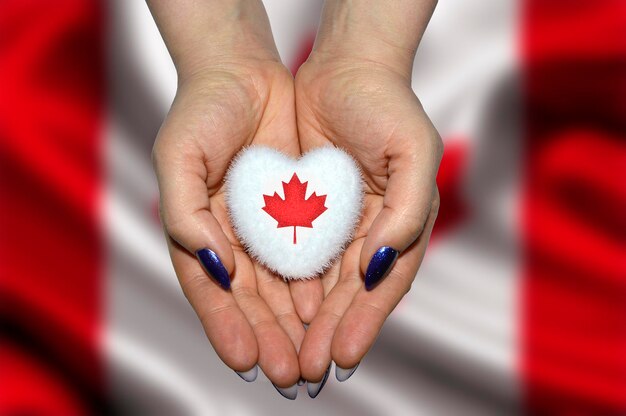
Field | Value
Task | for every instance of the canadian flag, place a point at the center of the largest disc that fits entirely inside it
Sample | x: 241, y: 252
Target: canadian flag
x: 520, y: 305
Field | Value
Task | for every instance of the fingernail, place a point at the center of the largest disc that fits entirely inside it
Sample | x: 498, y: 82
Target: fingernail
x: 249, y: 375
x: 314, y: 388
x: 380, y: 265
x: 300, y: 382
x: 212, y: 264
x: 288, y: 392
x: 342, y: 374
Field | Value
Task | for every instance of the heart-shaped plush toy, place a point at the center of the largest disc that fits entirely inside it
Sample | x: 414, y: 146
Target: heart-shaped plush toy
x: 294, y: 216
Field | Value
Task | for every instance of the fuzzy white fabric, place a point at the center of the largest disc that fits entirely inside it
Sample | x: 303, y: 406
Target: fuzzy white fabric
x: 258, y: 171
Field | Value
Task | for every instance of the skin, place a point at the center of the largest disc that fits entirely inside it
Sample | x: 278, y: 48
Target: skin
x: 361, y: 99
x: 354, y: 92
x: 228, y: 97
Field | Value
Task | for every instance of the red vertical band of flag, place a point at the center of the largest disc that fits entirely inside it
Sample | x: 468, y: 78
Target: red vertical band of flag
x: 51, y: 244
x: 574, y: 287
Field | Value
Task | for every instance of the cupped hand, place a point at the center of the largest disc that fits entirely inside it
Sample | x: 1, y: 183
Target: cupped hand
x: 217, y: 111
x: 369, y: 110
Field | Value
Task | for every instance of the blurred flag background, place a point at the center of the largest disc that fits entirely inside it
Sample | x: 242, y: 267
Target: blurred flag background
x: 520, y: 305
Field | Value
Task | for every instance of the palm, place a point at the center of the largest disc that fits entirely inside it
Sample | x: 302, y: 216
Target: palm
x: 346, y: 108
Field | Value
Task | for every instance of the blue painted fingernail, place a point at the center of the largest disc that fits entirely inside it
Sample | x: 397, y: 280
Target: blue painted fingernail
x: 212, y: 264
x: 380, y: 265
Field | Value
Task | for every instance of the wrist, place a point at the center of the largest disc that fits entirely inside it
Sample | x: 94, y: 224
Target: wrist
x: 352, y: 54
x: 238, y: 60
x: 378, y: 32
x: 202, y: 35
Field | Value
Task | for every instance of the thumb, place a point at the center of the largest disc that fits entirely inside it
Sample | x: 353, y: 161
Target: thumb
x: 409, y: 198
x: 186, y: 211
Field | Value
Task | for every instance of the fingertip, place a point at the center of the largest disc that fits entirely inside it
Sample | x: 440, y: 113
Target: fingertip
x: 242, y: 360
x: 353, y: 338
x: 345, y: 355
x: 278, y: 358
x: 284, y: 373
x: 345, y: 358
x: 307, y: 297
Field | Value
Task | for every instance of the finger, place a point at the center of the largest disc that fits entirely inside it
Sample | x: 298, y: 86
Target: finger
x: 225, y: 325
x: 275, y: 292
x: 315, y: 353
x: 277, y: 355
x: 277, y: 127
x: 307, y: 297
x: 367, y: 313
x: 184, y: 203
x: 330, y: 278
x: 408, y: 197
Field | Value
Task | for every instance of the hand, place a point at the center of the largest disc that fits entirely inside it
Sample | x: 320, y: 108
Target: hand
x: 238, y: 98
x: 214, y: 114
x: 365, y: 105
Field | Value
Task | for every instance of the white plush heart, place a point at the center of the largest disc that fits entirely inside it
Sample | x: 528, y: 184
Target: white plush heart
x: 331, y: 177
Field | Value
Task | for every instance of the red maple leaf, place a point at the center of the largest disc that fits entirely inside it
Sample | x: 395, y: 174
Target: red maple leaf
x: 294, y: 211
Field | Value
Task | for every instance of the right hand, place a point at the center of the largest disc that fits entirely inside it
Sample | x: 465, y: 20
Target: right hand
x: 237, y: 102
